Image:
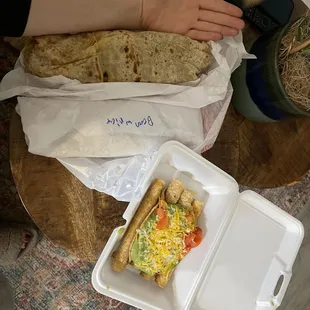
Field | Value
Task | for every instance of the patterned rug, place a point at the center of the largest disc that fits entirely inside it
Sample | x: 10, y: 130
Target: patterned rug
x: 50, y: 278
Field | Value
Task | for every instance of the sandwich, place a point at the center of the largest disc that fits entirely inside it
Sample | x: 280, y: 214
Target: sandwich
x: 162, y: 232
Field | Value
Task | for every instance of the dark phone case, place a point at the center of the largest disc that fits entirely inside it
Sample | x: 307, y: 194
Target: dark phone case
x: 269, y: 15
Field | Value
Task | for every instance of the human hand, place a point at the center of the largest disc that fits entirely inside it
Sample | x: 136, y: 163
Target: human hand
x: 201, y: 20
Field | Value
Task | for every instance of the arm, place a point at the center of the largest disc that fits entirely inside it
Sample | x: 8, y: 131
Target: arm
x: 72, y: 16
x: 198, y: 19
x: 202, y: 20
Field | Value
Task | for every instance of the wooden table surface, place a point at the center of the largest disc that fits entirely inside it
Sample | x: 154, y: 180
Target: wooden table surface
x: 74, y: 217
x: 81, y: 220
x: 262, y: 155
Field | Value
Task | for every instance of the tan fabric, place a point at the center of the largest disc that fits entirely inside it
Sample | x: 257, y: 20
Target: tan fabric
x: 118, y: 56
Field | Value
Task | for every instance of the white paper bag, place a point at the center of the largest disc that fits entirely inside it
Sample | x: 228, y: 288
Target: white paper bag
x: 106, y: 133
x: 110, y: 128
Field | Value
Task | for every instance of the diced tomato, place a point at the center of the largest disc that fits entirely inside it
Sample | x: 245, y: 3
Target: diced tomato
x: 198, y: 231
x: 161, y: 213
x: 189, y: 240
x: 187, y: 249
x: 163, y: 221
x: 190, y: 218
x: 193, y: 239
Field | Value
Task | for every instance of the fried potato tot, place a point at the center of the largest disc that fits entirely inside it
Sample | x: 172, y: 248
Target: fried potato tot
x: 197, y: 206
x: 186, y: 199
x: 146, y: 276
x: 162, y: 279
x: 174, y: 191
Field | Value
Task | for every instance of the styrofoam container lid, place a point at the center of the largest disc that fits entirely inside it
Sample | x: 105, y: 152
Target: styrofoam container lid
x: 248, y: 249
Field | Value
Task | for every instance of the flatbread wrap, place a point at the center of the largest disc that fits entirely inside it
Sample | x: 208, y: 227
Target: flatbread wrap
x: 118, y: 56
x: 165, y: 236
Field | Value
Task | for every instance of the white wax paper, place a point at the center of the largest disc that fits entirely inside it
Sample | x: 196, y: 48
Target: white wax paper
x: 107, y: 133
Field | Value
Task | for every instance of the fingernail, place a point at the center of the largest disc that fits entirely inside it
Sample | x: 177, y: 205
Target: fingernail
x: 242, y: 24
x: 218, y: 37
x: 233, y: 32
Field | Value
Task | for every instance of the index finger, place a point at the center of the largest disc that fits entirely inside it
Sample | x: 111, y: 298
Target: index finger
x: 221, y: 7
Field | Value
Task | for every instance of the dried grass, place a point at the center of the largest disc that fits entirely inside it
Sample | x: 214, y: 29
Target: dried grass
x: 294, y: 64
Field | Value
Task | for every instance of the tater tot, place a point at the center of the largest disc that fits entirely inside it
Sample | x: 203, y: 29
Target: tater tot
x: 186, y: 199
x: 197, y: 206
x: 174, y: 191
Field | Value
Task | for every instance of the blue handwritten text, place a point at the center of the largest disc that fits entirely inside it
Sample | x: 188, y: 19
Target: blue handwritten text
x: 120, y: 121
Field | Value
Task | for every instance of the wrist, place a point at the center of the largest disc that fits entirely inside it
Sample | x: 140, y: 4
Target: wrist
x: 130, y: 14
x: 148, y: 8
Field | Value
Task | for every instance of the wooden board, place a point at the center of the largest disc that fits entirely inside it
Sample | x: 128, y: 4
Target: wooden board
x: 262, y: 155
x: 81, y: 220
x: 74, y: 217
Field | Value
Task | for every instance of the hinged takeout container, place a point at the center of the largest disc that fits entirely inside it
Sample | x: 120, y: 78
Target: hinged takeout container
x: 248, y: 245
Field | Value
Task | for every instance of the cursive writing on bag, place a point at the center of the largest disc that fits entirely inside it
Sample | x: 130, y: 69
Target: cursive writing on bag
x: 120, y: 121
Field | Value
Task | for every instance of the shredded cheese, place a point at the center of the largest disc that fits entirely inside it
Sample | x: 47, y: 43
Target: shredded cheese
x: 163, y: 249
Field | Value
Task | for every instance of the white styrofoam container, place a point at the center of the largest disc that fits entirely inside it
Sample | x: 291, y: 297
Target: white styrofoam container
x: 248, y: 245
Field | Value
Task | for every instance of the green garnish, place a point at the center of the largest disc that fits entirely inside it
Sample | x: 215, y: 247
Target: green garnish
x: 121, y: 231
